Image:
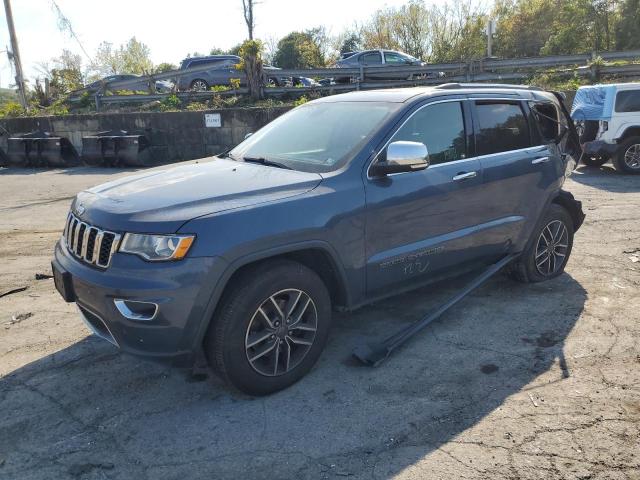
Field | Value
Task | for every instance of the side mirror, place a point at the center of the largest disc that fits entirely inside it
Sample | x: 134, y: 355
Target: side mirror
x: 248, y: 135
x: 402, y: 157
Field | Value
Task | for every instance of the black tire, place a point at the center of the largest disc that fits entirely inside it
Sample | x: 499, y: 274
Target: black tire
x: 199, y: 85
x: 238, y: 319
x: 530, y: 267
x: 627, y: 158
x: 594, y: 161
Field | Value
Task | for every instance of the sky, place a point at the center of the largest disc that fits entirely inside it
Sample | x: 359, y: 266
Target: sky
x: 170, y: 31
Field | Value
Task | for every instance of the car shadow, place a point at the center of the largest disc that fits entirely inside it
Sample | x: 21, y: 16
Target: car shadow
x: 88, y: 409
x: 606, y: 178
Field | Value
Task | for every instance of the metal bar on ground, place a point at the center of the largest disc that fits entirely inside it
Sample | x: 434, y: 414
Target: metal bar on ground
x: 376, y: 354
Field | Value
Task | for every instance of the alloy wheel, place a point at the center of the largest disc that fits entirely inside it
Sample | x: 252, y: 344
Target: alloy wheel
x: 632, y: 156
x: 281, y: 332
x: 199, y: 86
x: 551, y: 249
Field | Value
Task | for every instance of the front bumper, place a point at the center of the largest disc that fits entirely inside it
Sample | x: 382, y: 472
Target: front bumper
x: 182, y: 290
x: 599, y: 148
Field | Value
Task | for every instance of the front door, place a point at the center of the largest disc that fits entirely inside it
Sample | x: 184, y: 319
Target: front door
x: 420, y: 223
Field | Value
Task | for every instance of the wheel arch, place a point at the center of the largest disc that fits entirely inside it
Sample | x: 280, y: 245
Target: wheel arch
x: 631, y: 131
x: 570, y: 204
x: 319, y: 256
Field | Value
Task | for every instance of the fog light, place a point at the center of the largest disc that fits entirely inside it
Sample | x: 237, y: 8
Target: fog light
x: 134, y: 310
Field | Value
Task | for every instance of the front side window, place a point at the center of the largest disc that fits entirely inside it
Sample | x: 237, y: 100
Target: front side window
x: 628, y: 101
x: 318, y: 137
x: 501, y: 127
x: 372, y: 58
x: 441, y: 128
x: 395, y: 58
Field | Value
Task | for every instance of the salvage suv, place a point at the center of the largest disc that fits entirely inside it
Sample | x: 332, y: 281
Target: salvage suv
x: 608, y: 117
x: 337, y: 203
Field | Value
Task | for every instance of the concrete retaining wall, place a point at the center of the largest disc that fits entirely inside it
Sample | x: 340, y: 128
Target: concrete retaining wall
x: 175, y: 136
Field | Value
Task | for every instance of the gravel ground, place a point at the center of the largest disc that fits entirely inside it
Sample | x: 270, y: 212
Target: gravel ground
x: 517, y: 381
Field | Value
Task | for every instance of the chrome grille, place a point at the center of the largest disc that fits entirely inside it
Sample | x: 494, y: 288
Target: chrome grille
x: 88, y: 243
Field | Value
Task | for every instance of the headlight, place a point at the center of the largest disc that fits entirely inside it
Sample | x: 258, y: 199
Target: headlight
x: 157, y: 247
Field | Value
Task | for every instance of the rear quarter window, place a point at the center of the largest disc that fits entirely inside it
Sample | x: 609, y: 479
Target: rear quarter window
x: 501, y: 127
x: 628, y: 101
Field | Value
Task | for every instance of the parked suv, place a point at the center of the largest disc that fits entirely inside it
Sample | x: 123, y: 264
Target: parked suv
x: 337, y: 203
x: 218, y: 70
x: 608, y: 117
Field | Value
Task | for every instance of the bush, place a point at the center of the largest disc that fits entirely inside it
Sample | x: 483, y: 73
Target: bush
x: 300, y: 101
x: 170, y: 102
x: 11, y: 109
x: 220, y: 88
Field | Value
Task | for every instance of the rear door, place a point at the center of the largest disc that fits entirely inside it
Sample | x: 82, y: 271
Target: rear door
x: 519, y: 170
x: 423, y: 222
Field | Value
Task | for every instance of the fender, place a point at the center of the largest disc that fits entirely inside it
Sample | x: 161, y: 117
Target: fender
x: 240, y: 262
x: 622, y: 131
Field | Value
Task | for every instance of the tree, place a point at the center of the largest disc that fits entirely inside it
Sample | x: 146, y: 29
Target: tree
x: 251, y: 55
x: 627, y: 30
x: 249, y: 19
x: 298, y: 50
x: 164, y: 67
x: 350, y: 42
x: 132, y: 57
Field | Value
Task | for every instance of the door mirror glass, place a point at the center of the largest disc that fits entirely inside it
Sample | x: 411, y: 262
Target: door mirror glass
x: 401, y: 157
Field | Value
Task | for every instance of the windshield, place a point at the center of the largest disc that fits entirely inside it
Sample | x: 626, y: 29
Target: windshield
x: 319, y: 137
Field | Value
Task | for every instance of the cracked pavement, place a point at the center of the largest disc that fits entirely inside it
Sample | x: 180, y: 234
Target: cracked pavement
x: 515, y: 382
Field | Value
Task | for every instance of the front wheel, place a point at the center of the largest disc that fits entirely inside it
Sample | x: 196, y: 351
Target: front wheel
x: 627, y: 159
x: 270, y: 328
x: 548, y: 250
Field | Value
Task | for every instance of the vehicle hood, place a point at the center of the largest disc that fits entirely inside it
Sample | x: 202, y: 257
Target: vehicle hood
x: 162, y: 199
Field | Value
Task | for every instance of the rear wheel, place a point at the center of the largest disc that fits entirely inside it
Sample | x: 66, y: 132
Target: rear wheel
x: 270, y: 327
x: 627, y: 159
x: 199, y: 85
x: 549, y: 248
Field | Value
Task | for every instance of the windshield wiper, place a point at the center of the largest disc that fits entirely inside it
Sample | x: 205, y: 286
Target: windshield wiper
x: 265, y: 161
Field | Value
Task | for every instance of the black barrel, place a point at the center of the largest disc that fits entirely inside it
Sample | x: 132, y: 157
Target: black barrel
x: 117, y: 148
x: 41, y: 149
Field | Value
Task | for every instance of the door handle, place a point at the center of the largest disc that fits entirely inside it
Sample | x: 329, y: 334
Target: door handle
x: 540, y: 160
x: 464, y: 176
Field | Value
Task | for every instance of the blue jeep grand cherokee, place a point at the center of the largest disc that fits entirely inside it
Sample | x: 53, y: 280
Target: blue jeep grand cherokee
x: 337, y: 203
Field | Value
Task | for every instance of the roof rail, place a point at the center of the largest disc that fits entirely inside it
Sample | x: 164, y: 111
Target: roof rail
x: 506, y: 86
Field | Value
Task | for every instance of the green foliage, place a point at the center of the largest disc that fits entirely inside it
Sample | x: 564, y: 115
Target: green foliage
x: 11, y: 109
x: 350, y: 43
x: 219, y: 88
x: 300, y: 101
x: 8, y: 95
x: 132, y: 57
x: 164, y: 67
x: 627, y: 30
x: 197, y: 106
x: 170, y: 102
x: 235, y: 83
x: 298, y: 50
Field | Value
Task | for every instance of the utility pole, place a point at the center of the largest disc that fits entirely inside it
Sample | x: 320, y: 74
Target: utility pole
x: 491, y: 30
x: 15, y: 53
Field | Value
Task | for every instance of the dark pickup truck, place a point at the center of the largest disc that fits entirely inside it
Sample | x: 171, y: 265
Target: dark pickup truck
x: 339, y: 202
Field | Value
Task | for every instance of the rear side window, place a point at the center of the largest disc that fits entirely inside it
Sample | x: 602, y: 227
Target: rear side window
x: 501, y: 127
x: 441, y: 128
x: 628, y: 101
x: 371, y: 58
x: 548, y: 119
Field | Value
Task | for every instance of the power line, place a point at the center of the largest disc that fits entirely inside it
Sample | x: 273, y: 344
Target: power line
x: 64, y: 24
